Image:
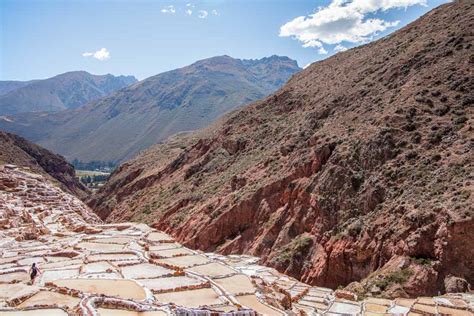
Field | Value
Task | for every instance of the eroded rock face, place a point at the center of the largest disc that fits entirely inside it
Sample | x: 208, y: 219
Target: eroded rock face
x: 358, y: 170
x: 88, y: 267
x: 456, y: 285
x: 18, y: 151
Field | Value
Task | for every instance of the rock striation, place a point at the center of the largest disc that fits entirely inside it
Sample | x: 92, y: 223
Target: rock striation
x: 357, y: 173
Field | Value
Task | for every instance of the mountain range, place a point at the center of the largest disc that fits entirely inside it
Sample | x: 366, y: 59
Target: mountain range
x: 116, y: 127
x: 10, y: 85
x: 65, y: 91
x: 356, y: 173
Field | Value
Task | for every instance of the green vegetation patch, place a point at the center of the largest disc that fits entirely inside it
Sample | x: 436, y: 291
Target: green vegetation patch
x: 394, y: 277
x: 422, y: 261
x: 298, y: 247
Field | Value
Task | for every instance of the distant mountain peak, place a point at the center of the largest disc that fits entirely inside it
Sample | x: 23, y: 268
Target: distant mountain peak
x: 226, y: 59
x: 118, y: 126
x: 68, y: 90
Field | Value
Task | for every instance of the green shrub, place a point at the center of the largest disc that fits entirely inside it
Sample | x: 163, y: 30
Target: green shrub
x: 394, y: 277
x: 296, y: 248
x: 422, y: 261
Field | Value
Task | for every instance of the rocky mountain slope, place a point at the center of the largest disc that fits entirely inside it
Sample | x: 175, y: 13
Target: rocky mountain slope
x: 90, y: 268
x: 10, y: 85
x: 65, y: 91
x: 18, y: 151
x: 117, y: 127
x: 357, y: 173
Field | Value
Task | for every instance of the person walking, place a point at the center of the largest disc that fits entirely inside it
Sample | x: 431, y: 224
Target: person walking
x: 34, y: 271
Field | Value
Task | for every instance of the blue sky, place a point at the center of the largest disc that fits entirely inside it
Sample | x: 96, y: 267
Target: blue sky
x: 42, y: 38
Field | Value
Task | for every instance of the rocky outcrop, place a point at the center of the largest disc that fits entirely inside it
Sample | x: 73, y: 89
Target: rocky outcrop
x: 18, y: 151
x: 355, y: 173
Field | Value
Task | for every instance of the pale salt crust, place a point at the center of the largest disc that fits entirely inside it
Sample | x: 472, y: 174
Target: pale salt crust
x: 91, y: 268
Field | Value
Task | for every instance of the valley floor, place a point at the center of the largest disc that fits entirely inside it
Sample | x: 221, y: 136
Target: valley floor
x: 91, y: 268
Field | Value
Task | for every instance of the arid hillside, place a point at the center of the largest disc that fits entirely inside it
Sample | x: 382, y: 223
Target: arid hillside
x: 357, y: 173
x: 18, y: 151
x: 69, y: 90
x: 117, y: 127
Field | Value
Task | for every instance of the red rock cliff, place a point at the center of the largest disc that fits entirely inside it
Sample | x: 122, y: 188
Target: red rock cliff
x: 358, y: 172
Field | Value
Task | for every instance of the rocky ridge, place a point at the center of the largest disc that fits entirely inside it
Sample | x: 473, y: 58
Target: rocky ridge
x: 65, y: 91
x: 357, y: 173
x: 17, y: 150
x: 91, y: 268
x: 10, y: 85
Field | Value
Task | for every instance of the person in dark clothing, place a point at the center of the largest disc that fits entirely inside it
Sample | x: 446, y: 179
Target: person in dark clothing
x: 34, y: 271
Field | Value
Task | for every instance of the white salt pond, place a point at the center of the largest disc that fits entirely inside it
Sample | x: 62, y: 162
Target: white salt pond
x: 164, y: 246
x: 170, y: 283
x: 53, y: 275
x: 96, y: 267
x: 14, y: 276
x: 193, y: 298
x: 213, y: 269
x: 159, y: 236
x: 94, y: 246
x: 237, y: 284
x: 184, y: 261
x: 112, y: 257
x: 49, y: 298
x: 36, y: 312
x: 12, y: 291
x: 118, y: 312
x: 252, y: 302
x: 144, y: 271
x: 126, y: 289
x: 168, y: 253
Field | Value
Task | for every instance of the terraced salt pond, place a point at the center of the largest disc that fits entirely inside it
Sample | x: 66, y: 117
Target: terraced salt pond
x: 126, y: 289
x: 36, y: 312
x: 50, y: 298
x: 90, y: 268
x: 171, y: 283
x: 145, y: 271
x: 115, y: 312
x: 192, y: 298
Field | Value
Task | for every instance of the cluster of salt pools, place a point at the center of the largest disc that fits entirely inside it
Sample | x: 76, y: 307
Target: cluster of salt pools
x: 89, y: 268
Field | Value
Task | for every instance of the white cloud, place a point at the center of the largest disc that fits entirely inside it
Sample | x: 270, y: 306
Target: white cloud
x: 368, y: 6
x: 202, y: 14
x: 340, y: 48
x: 169, y: 9
x: 307, y: 65
x: 343, y: 20
x: 316, y: 44
x: 102, y: 54
x: 189, y: 9
x: 313, y: 43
